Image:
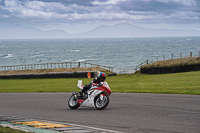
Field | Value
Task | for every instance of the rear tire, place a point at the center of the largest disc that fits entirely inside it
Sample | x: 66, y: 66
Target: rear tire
x: 101, y: 104
x: 72, y: 103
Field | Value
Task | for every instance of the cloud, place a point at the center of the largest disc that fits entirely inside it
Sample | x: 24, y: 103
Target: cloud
x: 109, y: 2
x: 182, y: 2
x: 51, y: 11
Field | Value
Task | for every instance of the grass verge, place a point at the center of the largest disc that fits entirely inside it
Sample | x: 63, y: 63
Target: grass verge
x: 176, y: 62
x: 9, y: 130
x: 176, y: 83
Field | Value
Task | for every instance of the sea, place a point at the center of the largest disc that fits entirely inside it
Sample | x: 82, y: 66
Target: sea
x: 123, y: 54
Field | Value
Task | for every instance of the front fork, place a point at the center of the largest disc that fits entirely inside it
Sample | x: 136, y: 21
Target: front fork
x: 75, y: 95
x: 101, y: 96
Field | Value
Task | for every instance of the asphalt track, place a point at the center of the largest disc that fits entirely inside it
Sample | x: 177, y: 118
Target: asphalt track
x: 126, y: 112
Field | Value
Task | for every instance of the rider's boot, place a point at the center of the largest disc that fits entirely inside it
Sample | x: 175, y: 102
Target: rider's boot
x: 80, y: 94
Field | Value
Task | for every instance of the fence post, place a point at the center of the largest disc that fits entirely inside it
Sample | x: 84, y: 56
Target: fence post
x: 199, y: 53
x: 181, y: 55
x: 190, y: 54
x: 172, y: 56
x: 163, y: 57
x: 147, y: 62
x: 79, y: 64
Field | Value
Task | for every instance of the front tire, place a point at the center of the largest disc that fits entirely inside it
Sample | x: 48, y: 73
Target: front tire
x: 72, y: 103
x: 101, y: 104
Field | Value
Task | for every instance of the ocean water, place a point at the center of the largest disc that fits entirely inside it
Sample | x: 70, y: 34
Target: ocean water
x: 121, y: 53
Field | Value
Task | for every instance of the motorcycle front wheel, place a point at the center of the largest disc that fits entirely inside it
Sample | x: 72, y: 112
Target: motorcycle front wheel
x: 101, y: 104
x: 72, y: 103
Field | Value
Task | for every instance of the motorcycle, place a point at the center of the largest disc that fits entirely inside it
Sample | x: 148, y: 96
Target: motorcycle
x: 97, y: 96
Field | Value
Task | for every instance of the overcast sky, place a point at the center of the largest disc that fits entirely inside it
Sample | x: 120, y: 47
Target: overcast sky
x: 75, y: 16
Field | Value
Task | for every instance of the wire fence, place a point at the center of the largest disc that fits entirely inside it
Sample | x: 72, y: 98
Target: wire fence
x: 124, y: 70
x: 133, y: 69
x: 53, y: 66
x: 174, y: 56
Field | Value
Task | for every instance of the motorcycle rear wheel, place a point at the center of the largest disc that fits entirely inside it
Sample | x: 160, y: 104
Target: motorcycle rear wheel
x: 101, y: 104
x: 72, y: 103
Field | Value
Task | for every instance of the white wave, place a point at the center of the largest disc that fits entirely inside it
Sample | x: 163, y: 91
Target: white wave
x: 39, y: 55
x: 9, y: 56
x: 75, y: 50
x: 91, y: 59
x: 83, y: 60
x: 39, y: 59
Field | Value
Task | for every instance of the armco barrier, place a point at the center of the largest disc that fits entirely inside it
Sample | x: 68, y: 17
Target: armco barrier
x: 49, y: 75
x: 176, y: 69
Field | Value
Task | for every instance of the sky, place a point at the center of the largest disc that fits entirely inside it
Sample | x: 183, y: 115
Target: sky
x: 74, y: 16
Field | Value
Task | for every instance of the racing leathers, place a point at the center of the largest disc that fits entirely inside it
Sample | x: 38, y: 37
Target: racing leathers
x: 96, y: 80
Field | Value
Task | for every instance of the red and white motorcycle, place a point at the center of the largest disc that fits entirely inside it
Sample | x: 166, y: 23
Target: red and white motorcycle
x: 97, y: 96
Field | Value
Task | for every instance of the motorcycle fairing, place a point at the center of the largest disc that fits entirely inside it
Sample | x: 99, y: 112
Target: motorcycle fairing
x: 89, y: 102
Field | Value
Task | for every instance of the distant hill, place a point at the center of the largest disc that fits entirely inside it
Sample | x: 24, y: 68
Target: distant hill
x: 129, y: 30
x: 21, y: 32
x: 115, y: 31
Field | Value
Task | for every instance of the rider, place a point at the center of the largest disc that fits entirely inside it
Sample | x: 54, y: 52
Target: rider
x: 100, y: 78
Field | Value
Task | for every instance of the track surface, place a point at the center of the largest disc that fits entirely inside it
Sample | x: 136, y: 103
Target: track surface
x: 131, y: 113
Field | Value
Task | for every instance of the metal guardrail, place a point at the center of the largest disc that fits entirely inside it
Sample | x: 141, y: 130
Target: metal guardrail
x: 53, y: 66
x: 172, y: 58
x: 142, y: 64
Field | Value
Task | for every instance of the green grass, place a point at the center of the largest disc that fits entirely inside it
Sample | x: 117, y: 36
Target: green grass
x: 9, y: 130
x: 178, y: 83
